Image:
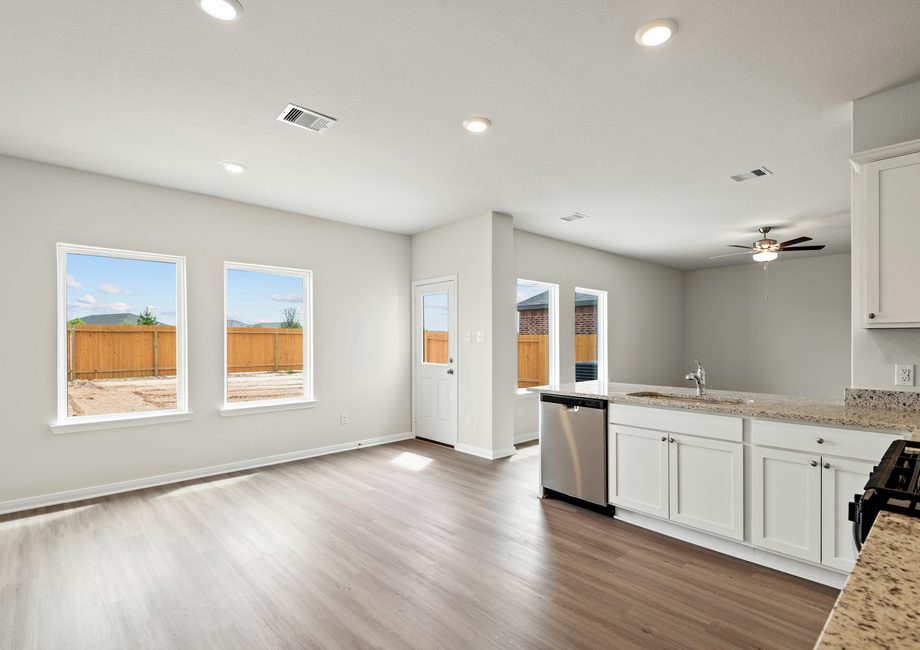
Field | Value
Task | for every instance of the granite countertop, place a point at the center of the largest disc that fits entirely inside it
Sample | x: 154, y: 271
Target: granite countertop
x: 879, y: 607
x: 854, y: 413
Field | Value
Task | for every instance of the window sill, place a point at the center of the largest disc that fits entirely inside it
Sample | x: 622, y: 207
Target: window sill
x: 526, y: 395
x: 127, y: 420
x: 249, y: 408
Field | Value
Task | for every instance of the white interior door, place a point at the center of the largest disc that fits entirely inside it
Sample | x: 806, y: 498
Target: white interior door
x: 435, y: 358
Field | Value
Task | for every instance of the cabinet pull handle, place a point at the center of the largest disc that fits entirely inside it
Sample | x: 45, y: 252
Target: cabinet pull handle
x: 827, y: 465
x: 814, y: 463
x: 871, y: 315
x: 820, y: 441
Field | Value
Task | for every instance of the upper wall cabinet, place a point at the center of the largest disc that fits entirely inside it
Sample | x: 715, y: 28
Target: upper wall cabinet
x: 886, y: 235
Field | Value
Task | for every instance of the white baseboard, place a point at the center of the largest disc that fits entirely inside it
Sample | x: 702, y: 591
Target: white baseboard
x: 70, y: 496
x: 526, y: 437
x: 485, y: 453
x: 742, y: 550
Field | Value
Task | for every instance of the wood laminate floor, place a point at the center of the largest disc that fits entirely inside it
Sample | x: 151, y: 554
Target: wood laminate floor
x: 408, y: 545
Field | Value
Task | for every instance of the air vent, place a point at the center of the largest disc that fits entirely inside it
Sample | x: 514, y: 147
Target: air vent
x: 574, y: 217
x: 754, y: 173
x: 305, y: 119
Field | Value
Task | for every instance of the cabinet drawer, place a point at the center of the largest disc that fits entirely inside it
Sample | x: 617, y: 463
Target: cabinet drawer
x: 846, y: 443
x: 720, y: 427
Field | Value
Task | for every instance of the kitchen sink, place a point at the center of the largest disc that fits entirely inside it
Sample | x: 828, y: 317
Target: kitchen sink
x: 696, y: 399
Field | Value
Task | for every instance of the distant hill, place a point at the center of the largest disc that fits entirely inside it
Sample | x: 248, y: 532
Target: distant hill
x: 236, y: 323
x: 110, y: 319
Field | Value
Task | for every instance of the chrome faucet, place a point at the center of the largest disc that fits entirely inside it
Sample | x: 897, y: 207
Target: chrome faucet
x: 700, y: 378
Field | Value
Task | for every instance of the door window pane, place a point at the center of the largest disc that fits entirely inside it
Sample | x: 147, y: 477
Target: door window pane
x: 585, y: 337
x: 265, y: 336
x: 534, y: 323
x: 121, y: 335
x: 434, y: 324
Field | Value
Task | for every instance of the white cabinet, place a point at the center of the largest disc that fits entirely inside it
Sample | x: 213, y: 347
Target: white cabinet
x: 786, y: 502
x: 840, y: 481
x: 691, y: 480
x: 886, y: 225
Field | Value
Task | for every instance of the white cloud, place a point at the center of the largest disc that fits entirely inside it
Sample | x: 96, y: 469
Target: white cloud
x: 73, y: 284
x: 109, y: 289
x: 286, y: 297
x: 87, y: 299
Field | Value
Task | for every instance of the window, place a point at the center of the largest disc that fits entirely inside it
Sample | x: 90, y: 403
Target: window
x: 434, y: 324
x: 121, y: 338
x: 537, y: 331
x: 267, y: 339
x: 590, y: 335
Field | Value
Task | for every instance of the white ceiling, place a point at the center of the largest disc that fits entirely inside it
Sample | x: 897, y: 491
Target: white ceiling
x: 584, y: 120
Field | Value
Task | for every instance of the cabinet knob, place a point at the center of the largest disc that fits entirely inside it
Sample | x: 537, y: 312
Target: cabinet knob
x: 871, y: 315
x: 670, y: 439
x: 814, y: 463
x: 827, y: 465
x: 820, y: 441
x: 663, y: 438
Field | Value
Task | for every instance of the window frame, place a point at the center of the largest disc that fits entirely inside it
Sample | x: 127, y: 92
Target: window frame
x: 552, y: 318
x: 308, y: 400
x: 68, y: 424
x: 602, y: 375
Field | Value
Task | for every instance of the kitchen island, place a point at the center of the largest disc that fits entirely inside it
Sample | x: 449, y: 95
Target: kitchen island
x: 877, y: 607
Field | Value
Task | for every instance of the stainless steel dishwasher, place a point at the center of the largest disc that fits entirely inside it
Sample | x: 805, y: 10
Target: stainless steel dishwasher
x: 573, y: 446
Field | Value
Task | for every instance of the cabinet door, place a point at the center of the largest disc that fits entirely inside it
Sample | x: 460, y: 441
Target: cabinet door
x: 892, y: 223
x: 638, y: 467
x: 786, y: 502
x: 841, y: 479
x: 707, y: 484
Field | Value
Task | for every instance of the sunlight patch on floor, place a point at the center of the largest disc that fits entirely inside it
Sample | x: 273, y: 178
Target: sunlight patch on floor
x: 204, y: 487
x: 411, y: 461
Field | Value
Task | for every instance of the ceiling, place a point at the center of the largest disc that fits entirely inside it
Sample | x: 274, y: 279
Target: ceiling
x: 584, y: 120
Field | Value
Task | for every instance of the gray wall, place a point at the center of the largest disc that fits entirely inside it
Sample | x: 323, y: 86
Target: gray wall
x: 361, y: 324
x: 795, y: 343
x: 879, y: 120
x: 467, y: 248
x: 645, y: 312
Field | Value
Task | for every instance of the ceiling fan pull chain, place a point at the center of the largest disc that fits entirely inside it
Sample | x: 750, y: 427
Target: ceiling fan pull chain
x: 766, y: 278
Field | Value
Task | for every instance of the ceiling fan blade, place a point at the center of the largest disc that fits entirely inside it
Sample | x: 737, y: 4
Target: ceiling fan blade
x: 750, y: 248
x: 793, y: 242
x: 801, y: 248
x: 714, y: 257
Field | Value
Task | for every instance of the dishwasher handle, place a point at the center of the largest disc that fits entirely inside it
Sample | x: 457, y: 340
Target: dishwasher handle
x: 570, y: 407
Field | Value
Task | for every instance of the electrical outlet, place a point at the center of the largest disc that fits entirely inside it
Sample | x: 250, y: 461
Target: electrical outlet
x: 469, y: 420
x: 520, y: 413
x: 904, y: 375
x: 467, y: 337
x: 480, y: 337
x: 344, y: 418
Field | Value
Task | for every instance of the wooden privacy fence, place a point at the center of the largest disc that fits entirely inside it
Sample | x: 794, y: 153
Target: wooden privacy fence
x: 533, y: 356
x: 435, y: 347
x: 260, y: 350
x: 112, y: 351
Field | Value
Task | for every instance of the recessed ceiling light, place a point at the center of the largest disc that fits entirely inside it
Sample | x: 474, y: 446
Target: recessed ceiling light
x: 221, y: 9
x: 233, y: 167
x: 476, y: 124
x: 656, y: 32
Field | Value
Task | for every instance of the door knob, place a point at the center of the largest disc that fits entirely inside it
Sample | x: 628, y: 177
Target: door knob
x: 450, y: 371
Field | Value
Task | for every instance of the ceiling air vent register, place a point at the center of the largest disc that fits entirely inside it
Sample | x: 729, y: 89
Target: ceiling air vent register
x: 574, y: 217
x: 305, y: 118
x: 754, y: 173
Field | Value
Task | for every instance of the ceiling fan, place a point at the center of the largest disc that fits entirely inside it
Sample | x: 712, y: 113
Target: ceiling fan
x: 767, y: 250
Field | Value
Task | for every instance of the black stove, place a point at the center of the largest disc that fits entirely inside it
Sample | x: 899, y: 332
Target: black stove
x: 894, y: 486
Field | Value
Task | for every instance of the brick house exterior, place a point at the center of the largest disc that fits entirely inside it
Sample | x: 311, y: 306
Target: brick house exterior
x: 533, y: 314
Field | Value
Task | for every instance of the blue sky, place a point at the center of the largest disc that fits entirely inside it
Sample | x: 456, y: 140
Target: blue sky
x: 113, y: 285
x: 254, y: 297
x: 434, y: 307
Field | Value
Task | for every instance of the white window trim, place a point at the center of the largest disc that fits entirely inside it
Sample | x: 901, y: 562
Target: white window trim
x: 601, y: 331
x: 553, y: 319
x: 66, y: 424
x: 267, y: 406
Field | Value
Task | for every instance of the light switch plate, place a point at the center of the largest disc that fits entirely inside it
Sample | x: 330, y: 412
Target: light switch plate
x: 480, y: 337
x: 466, y: 337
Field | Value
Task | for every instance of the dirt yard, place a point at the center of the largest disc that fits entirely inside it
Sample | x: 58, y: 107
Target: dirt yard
x: 104, y: 396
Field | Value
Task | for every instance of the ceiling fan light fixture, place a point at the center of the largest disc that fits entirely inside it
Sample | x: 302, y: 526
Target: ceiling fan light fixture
x: 765, y: 256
